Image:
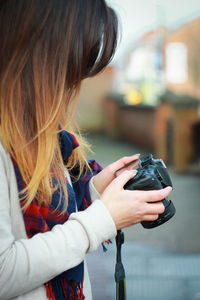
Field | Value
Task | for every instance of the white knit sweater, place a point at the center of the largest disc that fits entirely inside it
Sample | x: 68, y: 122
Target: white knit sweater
x: 26, y: 264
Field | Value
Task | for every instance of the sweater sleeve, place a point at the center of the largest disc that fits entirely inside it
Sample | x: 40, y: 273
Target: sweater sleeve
x: 26, y: 264
x: 94, y: 194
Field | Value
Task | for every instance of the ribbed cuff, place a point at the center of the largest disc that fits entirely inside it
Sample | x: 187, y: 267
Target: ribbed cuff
x: 94, y: 194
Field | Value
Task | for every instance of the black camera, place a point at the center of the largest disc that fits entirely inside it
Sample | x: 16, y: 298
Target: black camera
x: 152, y: 175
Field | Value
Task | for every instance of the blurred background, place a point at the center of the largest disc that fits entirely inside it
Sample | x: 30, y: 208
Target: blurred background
x: 148, y: 100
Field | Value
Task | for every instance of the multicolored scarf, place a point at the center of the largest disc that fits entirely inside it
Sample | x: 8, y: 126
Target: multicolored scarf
x: 42, y: 218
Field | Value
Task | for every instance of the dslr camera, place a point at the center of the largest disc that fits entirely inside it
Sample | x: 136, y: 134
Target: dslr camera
x: 152, y: 175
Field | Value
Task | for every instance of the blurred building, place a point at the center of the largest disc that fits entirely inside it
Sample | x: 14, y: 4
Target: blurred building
x: 179, y: 117
x: 144, y: 66
x: 154, y: 100
x: 163, y: 59
x: 182, y: 59
x: 160, y: 95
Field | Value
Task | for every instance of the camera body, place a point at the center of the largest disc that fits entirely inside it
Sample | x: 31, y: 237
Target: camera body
x: 152, y: 175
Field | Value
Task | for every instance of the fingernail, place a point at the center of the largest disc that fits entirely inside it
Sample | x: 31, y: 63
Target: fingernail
x: 134, y: 172
x: 169, y: 188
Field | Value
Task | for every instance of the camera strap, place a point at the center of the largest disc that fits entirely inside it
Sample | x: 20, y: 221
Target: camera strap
x: 119, y: 269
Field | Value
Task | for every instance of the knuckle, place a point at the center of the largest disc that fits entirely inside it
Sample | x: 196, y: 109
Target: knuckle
x: 109, y: 168
x: 154, y: 217
x: 136, y: 198
x: 129, y: 173
x: 162, y: 208
x: 124, y: 158
x: 160, y: 194
x: 145, y: 209
x: 151, y: 217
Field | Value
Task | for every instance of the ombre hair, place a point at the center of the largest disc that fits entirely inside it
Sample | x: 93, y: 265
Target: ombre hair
x: 47, y: 47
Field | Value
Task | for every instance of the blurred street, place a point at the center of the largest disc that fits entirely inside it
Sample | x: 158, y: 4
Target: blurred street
x: 161, y: 263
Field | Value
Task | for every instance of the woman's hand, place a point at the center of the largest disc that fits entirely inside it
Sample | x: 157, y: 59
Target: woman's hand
x: 105, y: 177
x: 130, y: 207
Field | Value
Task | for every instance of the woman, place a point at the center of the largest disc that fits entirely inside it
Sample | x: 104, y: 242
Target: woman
x: 54, y: 205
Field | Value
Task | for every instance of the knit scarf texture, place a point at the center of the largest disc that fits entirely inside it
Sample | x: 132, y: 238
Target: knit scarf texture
x: 42, y: 218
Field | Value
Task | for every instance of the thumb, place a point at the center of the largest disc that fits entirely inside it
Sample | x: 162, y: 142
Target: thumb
x: 123, y: 178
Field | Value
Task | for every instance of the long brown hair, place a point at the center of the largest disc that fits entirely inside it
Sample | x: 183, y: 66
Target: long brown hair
x: 47, y: 47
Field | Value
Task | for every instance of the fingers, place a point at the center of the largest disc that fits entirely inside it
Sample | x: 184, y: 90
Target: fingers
x: 155, y: 208
x: 105, y: 177
x: 147, y: 196
x: 122, y: 179
x: 155, y: 195
x: 121, y: 163
x: 150, y: 217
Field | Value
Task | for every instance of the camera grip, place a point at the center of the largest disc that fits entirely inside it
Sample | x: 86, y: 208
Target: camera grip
x: 147, y: 184
x: 164, y: 217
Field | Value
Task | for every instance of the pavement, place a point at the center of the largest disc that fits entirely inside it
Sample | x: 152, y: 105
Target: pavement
x: 161, y: 263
